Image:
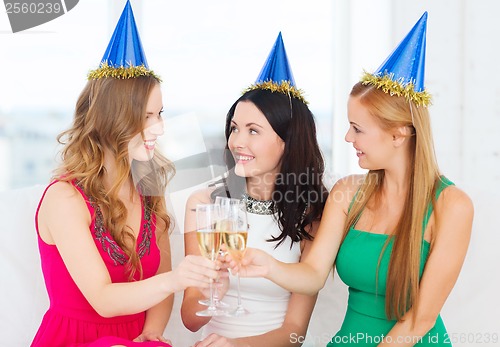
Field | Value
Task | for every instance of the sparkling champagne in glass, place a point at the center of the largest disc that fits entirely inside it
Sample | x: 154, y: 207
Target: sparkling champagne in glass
x: 222, y: 202
x: 234, y: 235
x: 209, y: 242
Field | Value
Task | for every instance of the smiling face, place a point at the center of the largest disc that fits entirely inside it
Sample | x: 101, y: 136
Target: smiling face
x: 374, y: 145
x: 255, y: 146
x: 141, y: 147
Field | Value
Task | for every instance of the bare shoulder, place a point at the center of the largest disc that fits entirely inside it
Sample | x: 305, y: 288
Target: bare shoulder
x: 454, y: 200
x: 453, y: 218
x: 200, y: 196
x: 345, y: 188
x: 63, y: 195
x: 350, y: 182
x: 62, y: 205
x: 62, y: 201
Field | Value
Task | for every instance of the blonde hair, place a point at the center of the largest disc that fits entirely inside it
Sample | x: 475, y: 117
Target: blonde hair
x: 109, y: 112
x: 392, y: 112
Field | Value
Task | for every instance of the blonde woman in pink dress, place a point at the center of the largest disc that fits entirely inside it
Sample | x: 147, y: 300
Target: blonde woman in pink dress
x: 102, y: 223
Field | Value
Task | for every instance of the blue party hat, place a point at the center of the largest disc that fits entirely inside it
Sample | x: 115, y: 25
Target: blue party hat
x: 402, y: 73
x: 124, y: 58
x: 276, y: 74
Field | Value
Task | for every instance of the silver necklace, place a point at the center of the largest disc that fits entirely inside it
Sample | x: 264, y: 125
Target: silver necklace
x: 265, y: 207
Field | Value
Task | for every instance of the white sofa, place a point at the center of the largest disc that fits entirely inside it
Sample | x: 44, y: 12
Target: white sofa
x: 470, y: 313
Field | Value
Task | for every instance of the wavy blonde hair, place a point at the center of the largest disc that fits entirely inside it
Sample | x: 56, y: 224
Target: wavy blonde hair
x: 392, y: 112
x: 109, y: 112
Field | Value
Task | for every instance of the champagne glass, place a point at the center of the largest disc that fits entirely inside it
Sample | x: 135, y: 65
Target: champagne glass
x: 209, y: 241
x: 224, y: 204
x: 217, y: 302
x: 234, y: 235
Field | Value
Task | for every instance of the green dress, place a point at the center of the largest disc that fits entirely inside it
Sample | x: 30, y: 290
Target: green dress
x: 365, y: 322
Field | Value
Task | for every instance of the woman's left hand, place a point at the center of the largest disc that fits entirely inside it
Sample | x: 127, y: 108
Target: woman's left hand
x: 151, y: 336
x: 214, y: 340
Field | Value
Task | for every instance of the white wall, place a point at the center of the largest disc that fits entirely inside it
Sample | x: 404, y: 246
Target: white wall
x: 461, y: 75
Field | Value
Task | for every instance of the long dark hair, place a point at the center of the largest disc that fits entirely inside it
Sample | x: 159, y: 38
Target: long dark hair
x: 299, y: 193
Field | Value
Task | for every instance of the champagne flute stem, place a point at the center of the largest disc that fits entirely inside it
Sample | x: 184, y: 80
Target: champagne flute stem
x: 238, y: 289
x: 214, y: 294
x: 216, y: 290
x: 240, y: 310
x: 213, y: 298
x: 211, y: 306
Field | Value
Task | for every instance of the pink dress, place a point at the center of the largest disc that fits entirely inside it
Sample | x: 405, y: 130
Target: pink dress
x: 70, y: 320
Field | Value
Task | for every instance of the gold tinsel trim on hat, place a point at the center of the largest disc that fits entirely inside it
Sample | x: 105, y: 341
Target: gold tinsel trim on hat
x: 284, y: 88
x: 122, y: 72
x: 396, y: 87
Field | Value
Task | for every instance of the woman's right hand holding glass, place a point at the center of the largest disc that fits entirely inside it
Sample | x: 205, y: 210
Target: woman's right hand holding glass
x: 222, y: 281
x: 195, y: 271
x: 255, y: 263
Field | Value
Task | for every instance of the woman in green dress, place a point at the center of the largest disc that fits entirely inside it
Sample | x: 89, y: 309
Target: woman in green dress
x: 398, y: 234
